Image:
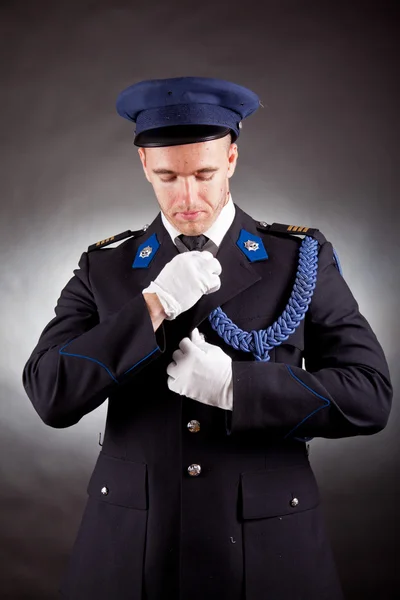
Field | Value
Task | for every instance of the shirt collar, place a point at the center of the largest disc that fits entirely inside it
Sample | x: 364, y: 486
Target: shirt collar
x: 217, y: 230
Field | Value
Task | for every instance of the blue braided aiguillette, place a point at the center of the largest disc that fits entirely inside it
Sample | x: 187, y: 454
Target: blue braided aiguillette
x: 261, y: 342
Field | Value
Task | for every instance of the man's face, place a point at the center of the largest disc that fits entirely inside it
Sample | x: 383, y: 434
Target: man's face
x: 191, y: 181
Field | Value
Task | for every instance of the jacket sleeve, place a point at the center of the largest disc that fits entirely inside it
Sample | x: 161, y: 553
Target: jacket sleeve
x: 345, y: 389
x: 79, y: 360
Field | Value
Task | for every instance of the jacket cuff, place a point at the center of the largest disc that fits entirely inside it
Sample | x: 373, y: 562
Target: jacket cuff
x: 270, y: 395
x: 122, y: 343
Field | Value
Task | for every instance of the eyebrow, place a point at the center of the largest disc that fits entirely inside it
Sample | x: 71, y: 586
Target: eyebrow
x: 169, y: 172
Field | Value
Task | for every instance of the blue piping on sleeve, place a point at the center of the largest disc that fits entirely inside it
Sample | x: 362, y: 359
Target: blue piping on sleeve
x: 61, y: 351
x: 142, y: 359
x: 327, y: 402
x: 337, y: 261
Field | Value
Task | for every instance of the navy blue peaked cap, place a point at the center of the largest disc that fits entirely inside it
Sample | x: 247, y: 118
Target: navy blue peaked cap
x: 185, y: 110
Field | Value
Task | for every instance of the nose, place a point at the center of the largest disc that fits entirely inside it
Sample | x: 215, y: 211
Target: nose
x: 187, y: 192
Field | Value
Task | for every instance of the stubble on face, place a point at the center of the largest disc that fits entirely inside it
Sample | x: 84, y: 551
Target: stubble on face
x: 191, y: 181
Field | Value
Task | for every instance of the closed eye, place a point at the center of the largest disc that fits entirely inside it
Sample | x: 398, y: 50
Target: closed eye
x: 198, y: 177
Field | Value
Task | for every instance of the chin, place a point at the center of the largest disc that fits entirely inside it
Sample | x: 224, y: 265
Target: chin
x: 193, y: 228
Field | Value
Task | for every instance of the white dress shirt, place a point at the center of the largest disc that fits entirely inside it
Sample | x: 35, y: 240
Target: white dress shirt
x: 217, y: 230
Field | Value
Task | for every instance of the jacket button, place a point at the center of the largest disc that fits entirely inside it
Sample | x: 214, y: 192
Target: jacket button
x: 294, y: 502
x: 194, y: 470
x: 193, y: 426
x: 104, y: 491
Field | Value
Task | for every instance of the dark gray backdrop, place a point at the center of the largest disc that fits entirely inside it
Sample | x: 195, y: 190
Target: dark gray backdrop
x: 322, y: 152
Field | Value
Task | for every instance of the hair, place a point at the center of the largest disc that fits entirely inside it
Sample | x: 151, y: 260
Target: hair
x: 228, y: 140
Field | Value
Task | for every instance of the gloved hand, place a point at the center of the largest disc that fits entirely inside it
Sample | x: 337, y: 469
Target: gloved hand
x: 184, y: 280
x: 202, y: 371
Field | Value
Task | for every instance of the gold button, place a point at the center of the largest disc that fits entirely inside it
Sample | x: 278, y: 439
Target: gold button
x: 194, y: 470
x: 104, y: 490
x: 193, y: 426
x: 294, y: 502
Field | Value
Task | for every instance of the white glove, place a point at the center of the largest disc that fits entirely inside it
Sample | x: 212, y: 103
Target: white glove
x: 184, y: 280
x: 202, y: 371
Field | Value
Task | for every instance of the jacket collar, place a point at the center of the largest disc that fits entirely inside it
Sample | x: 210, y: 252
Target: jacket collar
x: 217, y: 230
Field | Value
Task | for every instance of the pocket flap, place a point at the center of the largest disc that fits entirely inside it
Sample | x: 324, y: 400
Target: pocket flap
x: 295, y: 339
x: 119, y: 481
x: 278, y: 492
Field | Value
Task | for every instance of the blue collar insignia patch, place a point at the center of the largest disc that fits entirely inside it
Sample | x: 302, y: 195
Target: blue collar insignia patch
x: 146, y: 252
x: 252, y: 246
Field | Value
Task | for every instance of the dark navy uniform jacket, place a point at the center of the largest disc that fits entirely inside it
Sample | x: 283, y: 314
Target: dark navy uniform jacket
x: 250, y: 526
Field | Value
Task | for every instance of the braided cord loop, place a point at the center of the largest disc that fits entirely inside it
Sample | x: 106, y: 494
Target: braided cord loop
x: 261, y: 342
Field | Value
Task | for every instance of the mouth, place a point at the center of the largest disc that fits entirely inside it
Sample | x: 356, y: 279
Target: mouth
x: 189, y: 215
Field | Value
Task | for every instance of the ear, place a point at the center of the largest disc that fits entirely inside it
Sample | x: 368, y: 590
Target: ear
x: 232, y: 159
x: 142, y: 155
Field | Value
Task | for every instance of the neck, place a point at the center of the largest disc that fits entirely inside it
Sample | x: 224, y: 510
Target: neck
x: 216, y: 231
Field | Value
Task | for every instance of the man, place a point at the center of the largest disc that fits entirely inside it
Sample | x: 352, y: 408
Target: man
x: 195, y: 329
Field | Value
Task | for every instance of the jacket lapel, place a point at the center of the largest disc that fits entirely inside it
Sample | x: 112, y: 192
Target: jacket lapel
x: 166, y: 252
x: 238, y: 273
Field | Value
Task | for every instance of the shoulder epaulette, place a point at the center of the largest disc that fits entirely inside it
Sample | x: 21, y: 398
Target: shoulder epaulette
x: 117, y: 238
x: 282, y: 229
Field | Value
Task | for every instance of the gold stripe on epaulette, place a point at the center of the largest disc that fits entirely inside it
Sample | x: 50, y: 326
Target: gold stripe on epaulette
x: 297, y: 228
x: 105, y: 241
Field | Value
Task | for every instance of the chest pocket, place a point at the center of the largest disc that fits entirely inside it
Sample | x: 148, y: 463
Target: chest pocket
x: 119, y: 482
x: 278, y: 492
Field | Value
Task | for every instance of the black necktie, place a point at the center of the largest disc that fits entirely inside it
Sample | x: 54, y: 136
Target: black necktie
x: 194, y: 242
